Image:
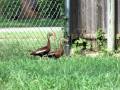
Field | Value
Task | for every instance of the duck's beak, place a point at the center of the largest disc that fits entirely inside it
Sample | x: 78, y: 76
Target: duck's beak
x: 54, y: 35
x: 65, y: 40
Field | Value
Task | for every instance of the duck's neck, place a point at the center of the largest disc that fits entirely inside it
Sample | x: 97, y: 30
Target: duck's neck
x: 48, y: 43
x: 61, y: 45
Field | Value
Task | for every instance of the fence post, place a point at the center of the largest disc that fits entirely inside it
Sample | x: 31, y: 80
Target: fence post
x: 67, y: 15
x: 110, y: 25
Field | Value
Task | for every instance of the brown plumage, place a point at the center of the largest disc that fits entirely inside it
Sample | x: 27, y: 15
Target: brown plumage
x: 44, y: 50
x: 57, y: 53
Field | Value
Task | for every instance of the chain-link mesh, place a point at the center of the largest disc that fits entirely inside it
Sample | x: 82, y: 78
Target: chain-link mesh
x: 24, y: 24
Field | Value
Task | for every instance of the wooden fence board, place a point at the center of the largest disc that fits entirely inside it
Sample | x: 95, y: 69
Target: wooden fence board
x: 92, y: 14
x: 118, y: 16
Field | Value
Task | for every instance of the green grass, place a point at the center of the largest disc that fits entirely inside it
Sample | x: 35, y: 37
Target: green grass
x: 76, y: 73
x: 23, y: 35
x: 20, y: 71
x: 31, y: 22
x: 21, y: 43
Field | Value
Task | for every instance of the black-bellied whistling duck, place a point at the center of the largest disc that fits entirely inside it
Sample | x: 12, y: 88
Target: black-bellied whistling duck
x: 59, y: 52
x: 44, y: 50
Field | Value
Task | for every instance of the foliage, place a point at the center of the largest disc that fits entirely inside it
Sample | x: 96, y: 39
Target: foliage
x: 81, y: 44
x: 51, y: 8
x: 10, y: 8
x: 46, y: 8
x: 100, y: 39
x: 31, y: 22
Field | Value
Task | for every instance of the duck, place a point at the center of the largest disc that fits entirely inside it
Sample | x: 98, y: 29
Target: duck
x: 58, y: 52
x: 46, y: 49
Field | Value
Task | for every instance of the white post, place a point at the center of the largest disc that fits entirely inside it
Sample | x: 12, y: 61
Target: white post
x: 111, y: 25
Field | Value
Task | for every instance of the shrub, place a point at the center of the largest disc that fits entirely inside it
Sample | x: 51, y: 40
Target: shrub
x: 10, y: 8
x: 47, y: 8
x: 51, y: 8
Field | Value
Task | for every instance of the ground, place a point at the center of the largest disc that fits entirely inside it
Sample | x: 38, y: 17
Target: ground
x: 76, y: 73
x: 19, y: 70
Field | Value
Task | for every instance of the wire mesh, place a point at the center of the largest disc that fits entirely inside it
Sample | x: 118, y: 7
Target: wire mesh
x: 24, y: 25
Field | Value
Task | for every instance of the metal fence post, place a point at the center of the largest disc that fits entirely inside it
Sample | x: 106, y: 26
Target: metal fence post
x: 67, y: 28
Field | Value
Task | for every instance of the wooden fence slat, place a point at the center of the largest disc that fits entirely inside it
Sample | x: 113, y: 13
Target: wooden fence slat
x: 92, y: 14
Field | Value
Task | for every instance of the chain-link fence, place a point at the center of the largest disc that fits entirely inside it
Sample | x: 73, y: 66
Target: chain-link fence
x: 24, y: 25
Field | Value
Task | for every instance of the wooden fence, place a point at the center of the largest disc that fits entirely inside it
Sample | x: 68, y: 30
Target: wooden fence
x: 89, y: 15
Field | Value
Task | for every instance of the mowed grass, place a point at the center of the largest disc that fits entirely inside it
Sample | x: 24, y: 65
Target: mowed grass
x: 23, y: 43
x: 30, y: 22
x: 75, y: 73
x: 20, y: 71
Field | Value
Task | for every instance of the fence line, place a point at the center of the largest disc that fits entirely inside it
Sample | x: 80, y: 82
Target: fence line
x: 92, y: 15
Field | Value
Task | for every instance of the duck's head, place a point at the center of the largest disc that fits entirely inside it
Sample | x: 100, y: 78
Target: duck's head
x: 63, y: 40
x: 52, y: 34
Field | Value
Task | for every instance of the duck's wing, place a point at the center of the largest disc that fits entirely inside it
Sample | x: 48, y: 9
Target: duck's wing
x: 51, y: 54
x: 40, y: 51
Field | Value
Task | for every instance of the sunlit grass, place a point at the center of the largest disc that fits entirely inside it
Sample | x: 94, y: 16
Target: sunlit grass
x: 19, y: 70
x: 31, y: 22
x: 22, y: 43
x: 76, y: 73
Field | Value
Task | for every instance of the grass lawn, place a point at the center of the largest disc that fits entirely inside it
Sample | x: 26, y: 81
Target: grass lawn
x: 31, y: 22
x: 20, y: 71
x: 75, y: 73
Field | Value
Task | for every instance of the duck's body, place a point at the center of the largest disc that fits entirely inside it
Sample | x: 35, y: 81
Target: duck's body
x: 44, y: 50
x: 41, y: 51
x: 58, y: 53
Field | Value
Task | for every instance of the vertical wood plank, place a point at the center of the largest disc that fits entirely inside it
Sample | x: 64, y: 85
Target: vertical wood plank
x: 110, y: 25
x: 118, y: 16
x: 74, y: 19
x: 82, y: 15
